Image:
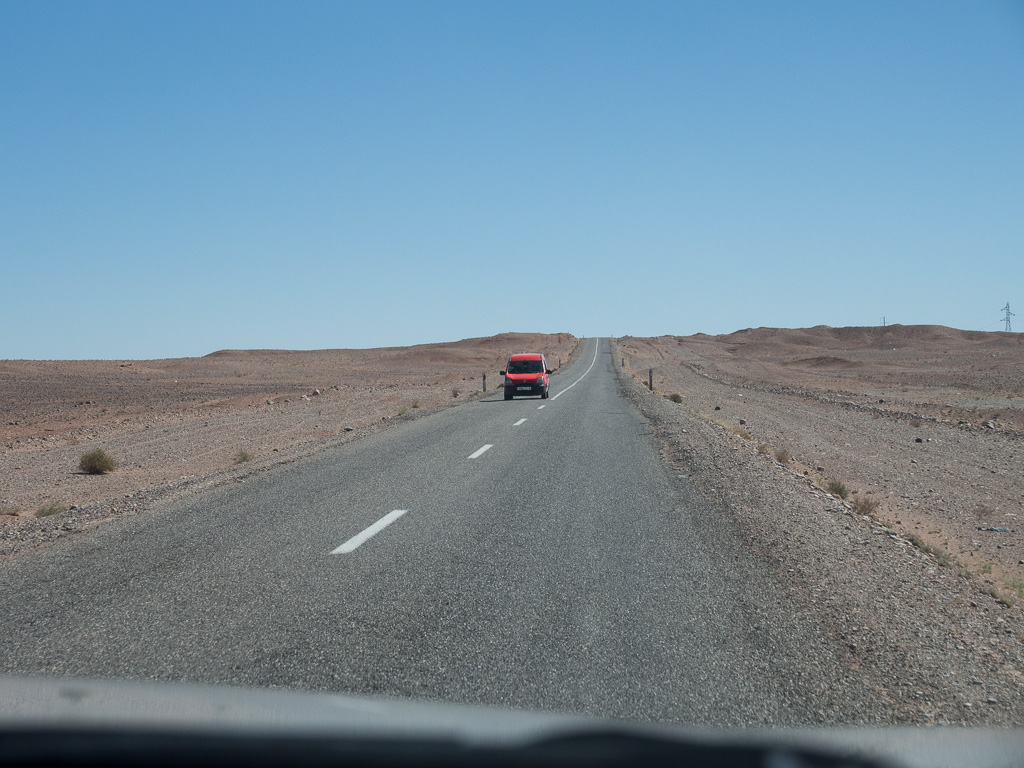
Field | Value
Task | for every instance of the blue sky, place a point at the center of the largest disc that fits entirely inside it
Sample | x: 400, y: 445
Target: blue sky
x: 181, y: 177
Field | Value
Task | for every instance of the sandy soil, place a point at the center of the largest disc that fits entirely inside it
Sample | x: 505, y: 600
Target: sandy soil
x: 178, y: 422
x: 925, y: 421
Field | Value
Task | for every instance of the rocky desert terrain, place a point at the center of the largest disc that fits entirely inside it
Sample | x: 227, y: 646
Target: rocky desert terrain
x: 923, y: 425
x: 880, y: 474
x: 877, y: 472
x: 176, y: 426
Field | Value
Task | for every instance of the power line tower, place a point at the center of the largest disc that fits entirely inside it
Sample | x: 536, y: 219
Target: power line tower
x: 1009, y: 314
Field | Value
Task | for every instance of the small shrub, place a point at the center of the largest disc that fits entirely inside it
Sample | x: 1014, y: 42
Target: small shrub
x: 866, y: 506
x: 96, y: 463
x: 51, y: 509
x: 764, y: 449
x: 12, y: 511
x: 916, y: 423
x: 1017, y: 586
x: 675, y: 397
x: 1000, y: 598
x: 941, y: 556
x: 242, y: 456
x: 836, y: 488
x: 783, y: 456
x: 415, y: 403
x: 455, y: 391
x: 402, y: 410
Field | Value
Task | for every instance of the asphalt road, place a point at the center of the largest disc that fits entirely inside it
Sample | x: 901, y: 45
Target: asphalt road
x: 564, y: 568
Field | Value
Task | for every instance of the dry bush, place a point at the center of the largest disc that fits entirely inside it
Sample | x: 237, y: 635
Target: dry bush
x: 51, y: 509
x: 837, y: 488
x: 941, y: 556
x: 1016, y: 585
x: 983, y: 511
x: 866, y: 506
x: 96, y: 463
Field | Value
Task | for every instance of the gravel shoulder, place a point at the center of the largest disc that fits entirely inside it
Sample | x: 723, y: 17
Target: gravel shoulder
x: 934, y: 631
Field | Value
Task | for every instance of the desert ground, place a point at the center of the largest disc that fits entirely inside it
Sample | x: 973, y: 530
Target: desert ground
x: 177, y: 425
x: 876, y: 472
x: 923, y: 425
x: 917, y: 575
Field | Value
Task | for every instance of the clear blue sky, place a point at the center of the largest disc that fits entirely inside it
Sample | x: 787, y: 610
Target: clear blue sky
x: 180, y: 177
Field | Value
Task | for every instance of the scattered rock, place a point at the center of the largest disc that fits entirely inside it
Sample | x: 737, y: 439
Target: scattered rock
x: 935, y: 612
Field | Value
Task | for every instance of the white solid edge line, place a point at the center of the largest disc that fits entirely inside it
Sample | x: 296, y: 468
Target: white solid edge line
x: 597, y: 346
x: 370, y: 532
x: 480, y: 451
x: 539, y: 407
x: 518, y: 422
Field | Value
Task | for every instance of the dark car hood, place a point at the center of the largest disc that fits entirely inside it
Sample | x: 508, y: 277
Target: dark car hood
x: 44, y: 709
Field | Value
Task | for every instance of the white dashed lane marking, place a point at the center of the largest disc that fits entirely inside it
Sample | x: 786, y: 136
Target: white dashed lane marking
x: 480, y: 451
x: 370, y: 532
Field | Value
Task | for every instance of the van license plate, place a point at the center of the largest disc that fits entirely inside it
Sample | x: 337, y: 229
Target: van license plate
x: 524, y: 388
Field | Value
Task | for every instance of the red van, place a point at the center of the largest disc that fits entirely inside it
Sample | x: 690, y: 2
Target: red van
x: 526, y: 374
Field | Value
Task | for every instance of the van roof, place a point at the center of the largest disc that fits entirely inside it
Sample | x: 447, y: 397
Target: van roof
x: 527, y: 356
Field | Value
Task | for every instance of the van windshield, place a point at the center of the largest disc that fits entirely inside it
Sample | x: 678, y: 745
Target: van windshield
x: 525, y: 366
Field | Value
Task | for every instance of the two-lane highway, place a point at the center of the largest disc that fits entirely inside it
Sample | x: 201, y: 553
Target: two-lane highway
x: 530, y: 553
